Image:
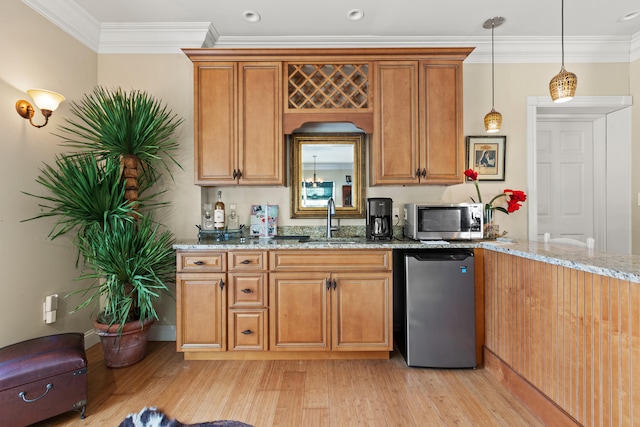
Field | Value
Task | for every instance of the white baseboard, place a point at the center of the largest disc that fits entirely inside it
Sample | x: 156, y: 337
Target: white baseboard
x: 157, y: 333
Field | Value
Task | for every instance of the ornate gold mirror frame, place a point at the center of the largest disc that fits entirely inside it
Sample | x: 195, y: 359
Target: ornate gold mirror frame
x: 325, y: 165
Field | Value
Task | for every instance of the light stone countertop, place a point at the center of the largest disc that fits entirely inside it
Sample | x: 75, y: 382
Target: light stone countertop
x: 621, y: 266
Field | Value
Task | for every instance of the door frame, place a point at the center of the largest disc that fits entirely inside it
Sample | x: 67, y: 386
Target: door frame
x: 594, y: 109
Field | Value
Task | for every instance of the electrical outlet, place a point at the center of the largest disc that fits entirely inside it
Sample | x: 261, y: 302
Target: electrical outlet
x: 396, y: 212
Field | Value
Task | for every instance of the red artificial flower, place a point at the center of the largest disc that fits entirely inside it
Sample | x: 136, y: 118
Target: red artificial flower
x: 470, y: 173
x: 515, y: 197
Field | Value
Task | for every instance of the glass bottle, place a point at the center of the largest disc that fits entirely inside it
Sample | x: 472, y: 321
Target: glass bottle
x: 233, y: 222
x: 207, y: 216
x: 218, y: 213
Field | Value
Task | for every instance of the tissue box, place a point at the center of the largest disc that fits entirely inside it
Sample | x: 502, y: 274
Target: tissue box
x: 264, y: 220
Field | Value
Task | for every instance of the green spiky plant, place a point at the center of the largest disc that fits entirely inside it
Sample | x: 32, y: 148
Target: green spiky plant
x: 129, y: 264
x: 132, y: 127
x: 81, y: 192
x: 126, y: 140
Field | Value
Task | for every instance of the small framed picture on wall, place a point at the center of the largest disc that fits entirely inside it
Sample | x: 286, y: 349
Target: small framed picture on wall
x: 486, y: 156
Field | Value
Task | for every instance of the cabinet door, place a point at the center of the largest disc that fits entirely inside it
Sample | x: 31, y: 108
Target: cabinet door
x: 441, y: 138
x: 261, y: 142
x: 394, y: 149
x: 201, y: 306
x: 299, y: 307
x: 361, y: 318
x: 215, y: 129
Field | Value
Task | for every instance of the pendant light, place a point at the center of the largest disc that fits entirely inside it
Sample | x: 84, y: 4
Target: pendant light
x: 315, y: 181
x: 493, y: 119
x: 563, y: 85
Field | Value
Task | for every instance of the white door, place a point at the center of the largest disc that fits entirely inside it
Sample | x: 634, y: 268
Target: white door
x: 565, y: 171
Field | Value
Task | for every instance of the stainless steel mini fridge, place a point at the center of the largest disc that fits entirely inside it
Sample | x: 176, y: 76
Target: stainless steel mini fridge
x: 439, y: 312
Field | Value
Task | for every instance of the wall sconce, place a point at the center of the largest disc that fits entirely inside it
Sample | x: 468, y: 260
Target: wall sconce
x: 46, y: 100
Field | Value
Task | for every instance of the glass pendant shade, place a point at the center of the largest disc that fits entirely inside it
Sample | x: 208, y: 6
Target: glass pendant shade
x: 563, y: 86
x: 492, y: 121
x: 45, y: 99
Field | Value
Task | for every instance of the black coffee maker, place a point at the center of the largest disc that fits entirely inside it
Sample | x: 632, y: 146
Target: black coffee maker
x: 379, y: 219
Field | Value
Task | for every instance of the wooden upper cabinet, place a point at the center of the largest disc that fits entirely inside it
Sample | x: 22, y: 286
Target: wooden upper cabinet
x: 417, y: 136
x: 409, y: 100
x: 216, y: 154
x: 238, y: 123
x: 441, y: 128
x: 394, y: 145
x: 261, y: 145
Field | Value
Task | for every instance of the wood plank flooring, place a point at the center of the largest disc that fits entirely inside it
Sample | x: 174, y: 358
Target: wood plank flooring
x: 326, y: 393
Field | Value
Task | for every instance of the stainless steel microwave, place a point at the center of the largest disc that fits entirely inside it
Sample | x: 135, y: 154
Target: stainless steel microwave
x: 429, y: 221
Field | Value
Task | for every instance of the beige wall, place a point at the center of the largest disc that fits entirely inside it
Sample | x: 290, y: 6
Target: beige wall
x: 634, y: 73
x: 35, y: 267
x: 34, y: 54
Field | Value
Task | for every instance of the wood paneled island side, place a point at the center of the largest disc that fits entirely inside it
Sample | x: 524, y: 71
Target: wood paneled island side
x: 562, y: 331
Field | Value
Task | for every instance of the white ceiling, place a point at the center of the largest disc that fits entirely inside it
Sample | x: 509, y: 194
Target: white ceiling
x: 531, y: 32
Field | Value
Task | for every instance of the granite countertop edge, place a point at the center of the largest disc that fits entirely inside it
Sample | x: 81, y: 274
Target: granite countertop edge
x: 616, y: 265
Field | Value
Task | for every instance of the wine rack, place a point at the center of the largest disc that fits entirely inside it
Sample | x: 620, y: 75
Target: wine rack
x: 328, y: 86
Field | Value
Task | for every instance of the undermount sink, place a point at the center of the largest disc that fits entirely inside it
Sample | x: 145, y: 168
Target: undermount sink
x: 292, y: 237
x: 330, y: 242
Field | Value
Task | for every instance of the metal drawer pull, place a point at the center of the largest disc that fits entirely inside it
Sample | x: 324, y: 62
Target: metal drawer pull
x: 328, y: 282
x: 246, y: 261
x: 198, y: 262
x: 246, y: 291
x: 334, y: 284
x: 221, y: 284
x: 247, y: 332
x: 22, y: 394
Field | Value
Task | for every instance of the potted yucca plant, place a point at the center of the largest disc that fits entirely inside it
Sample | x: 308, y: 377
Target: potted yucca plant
x: 126, y: 141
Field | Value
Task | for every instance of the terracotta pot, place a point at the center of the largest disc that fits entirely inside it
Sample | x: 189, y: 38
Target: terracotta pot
x: 126, y: 350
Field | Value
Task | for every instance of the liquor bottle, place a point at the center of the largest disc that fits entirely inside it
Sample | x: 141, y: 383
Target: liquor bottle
x: 218, y: 213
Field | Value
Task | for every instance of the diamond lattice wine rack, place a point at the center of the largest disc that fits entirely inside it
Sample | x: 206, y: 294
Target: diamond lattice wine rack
x: 328, y: 86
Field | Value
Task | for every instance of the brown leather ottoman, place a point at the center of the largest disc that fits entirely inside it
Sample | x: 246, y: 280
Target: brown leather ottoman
x: 41, y: 378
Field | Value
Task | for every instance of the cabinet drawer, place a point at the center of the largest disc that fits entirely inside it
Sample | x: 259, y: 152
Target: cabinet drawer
x: 247, y: 329
x: 330, y: 260
x: 247, y: 260
x: 248, y: 290
x: 200, y: 261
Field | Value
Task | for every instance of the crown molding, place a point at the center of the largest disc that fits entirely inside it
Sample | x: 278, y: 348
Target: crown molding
x: 507, y: 49
x: 171, y: 37
x: 154, y: 37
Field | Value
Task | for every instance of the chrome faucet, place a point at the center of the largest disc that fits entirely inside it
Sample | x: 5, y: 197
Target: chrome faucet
x: 331, y: 210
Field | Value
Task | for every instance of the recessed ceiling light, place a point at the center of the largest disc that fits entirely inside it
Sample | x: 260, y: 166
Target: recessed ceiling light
x: 251, y: 16
x: 629, y: 16
x: 355, y: 14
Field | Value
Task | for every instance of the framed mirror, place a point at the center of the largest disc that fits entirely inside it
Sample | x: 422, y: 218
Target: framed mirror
x: 325, y: 165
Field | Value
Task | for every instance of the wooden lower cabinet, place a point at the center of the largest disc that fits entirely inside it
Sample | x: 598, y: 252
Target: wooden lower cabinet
x: 314, y: 311
x: 337, y: 300
x: 285, y: 304
x: 201, y: 321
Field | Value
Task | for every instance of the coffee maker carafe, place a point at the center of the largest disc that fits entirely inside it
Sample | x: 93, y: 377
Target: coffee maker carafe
x: 379, y: 220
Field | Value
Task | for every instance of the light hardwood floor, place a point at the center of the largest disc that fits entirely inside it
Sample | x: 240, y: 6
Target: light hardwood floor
x: 337, y: 393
